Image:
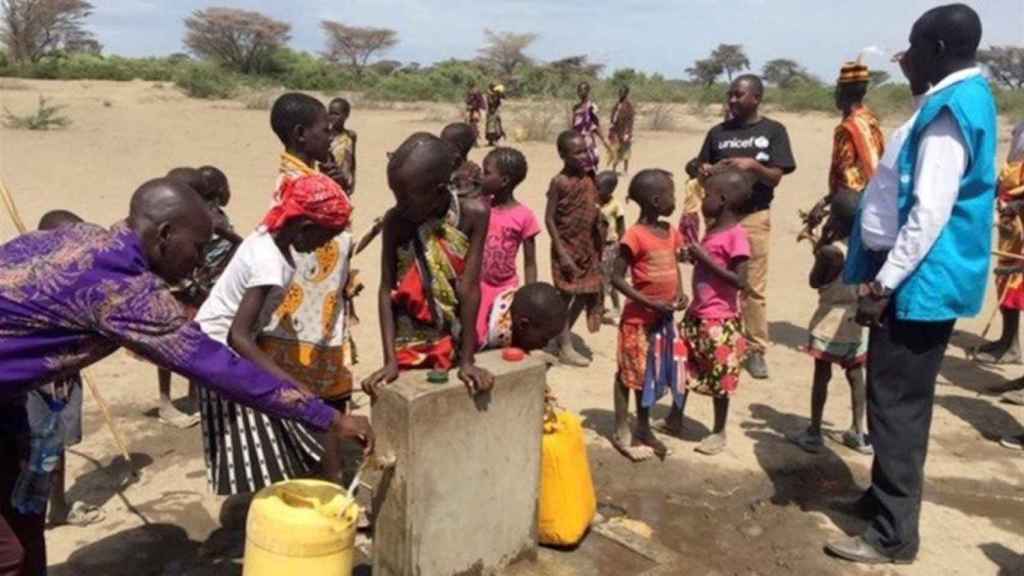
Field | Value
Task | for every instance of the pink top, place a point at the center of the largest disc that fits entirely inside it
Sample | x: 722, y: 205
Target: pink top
x: 509, y: 227
x: 713, y: 297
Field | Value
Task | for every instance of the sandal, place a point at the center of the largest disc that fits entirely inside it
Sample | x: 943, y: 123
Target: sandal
x: 808, y: 441
x: 711, y: 445
x: 82, y: 515
x: 858, y: 442
x: 634, y: 453
x: 1013, y: 442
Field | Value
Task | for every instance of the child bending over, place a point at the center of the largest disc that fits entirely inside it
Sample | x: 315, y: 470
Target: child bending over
x: 573, y: 220
x: 512, y: 225
x: 650, y: 250
x: 432, y: 252
x: 712, y: 325
x: 527, y: 317
x: 835, y: 337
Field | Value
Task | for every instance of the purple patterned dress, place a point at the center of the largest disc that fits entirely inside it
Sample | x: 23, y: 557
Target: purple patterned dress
x: 585, y: 121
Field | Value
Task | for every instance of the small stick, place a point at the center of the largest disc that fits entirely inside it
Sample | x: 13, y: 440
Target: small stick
x: 1009, y: 255
x: 12, y: 210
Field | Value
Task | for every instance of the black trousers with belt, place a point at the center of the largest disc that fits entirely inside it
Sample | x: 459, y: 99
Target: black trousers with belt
x: 903, y: 363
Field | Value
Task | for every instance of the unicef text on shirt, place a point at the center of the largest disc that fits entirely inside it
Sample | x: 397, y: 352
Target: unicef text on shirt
x: 759, y: 142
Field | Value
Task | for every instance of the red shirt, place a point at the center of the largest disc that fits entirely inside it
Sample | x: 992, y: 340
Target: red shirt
x: 654, y: 269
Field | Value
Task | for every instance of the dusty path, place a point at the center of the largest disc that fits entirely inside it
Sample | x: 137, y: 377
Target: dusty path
x: 763, y: 507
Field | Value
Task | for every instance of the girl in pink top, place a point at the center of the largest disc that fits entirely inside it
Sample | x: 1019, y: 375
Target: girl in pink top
x: 713, y: 326
x: 512, y: 225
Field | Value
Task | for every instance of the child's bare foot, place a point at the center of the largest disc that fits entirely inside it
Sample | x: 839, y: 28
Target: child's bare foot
x: 570, y: 357
x: 672, y: 425
x: 712, y: 444
x: 635, y: 453
x: 79, y: 514
x: 173, y: 417
x: 648, y: 439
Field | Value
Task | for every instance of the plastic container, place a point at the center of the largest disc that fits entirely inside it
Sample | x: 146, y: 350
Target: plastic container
x: 567, y: 499
x: 302, y: 527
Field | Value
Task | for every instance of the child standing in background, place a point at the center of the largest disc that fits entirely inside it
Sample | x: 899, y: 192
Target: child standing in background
x: 342, y: 165
x: 689, y: 219
x: 712, y: 326
x: 462, y: 138
x: 614, y: 226
x: 573, y: 220
x: 512, y: 225
x: 650, y: 354
x: 835, y: 337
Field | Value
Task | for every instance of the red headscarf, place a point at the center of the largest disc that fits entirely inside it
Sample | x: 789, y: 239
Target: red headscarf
x: 314, y: 196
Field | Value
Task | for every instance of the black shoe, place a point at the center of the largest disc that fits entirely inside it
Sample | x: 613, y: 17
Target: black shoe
x: 756, y: 366
x: 856, y: 549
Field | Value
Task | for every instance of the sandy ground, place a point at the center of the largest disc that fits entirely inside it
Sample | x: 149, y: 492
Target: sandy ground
x: 760, y: 508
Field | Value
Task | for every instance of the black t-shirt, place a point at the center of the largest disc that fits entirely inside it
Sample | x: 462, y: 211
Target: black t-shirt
x: 765, y: 141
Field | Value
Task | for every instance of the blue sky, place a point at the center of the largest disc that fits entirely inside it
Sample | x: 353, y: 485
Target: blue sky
x: 653, y: 35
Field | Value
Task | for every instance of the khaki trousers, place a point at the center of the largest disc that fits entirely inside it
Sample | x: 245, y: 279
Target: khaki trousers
x: 755, y: 301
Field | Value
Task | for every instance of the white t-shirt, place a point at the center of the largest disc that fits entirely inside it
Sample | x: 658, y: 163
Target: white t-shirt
x: 257, y: 262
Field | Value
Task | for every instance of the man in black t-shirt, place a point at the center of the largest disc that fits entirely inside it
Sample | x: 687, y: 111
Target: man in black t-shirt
x: 758, y: 146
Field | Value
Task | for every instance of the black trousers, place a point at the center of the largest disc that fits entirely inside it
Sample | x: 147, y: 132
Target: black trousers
x: 903, y: 363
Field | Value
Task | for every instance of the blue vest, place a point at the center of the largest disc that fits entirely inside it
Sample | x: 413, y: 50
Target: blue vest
x: 950, y: 282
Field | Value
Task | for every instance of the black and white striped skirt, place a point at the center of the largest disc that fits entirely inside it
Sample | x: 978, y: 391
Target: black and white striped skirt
x: 246, y: 450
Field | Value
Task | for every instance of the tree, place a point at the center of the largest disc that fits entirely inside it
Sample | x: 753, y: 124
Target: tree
x: 705, y: 71
x: 731, y: 58
x: 240, y: 39
x: 575, y: 67
x: 877, y: 78
x: 356, y: 44
x: 1005, y: 64
x: 32, y: 29
x: 506, y: 51
x: 784, y: 72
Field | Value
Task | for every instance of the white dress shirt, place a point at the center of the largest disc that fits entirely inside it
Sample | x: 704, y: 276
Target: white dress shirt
x: 941, y: 162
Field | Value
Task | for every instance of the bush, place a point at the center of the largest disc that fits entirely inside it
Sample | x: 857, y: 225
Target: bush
x: 207, y: 81
x: 259, y: 99
x: 538, y: 124
x: 46, y: 117
x: 659, y: 118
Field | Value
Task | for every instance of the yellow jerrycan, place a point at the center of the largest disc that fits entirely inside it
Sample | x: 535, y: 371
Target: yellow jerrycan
x: 567, y: 499
x: 304, y: 527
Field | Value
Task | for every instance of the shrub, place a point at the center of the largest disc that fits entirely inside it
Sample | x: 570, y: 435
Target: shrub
x: 538, y: 124
x: 207, y: 81
x: 12, y: 84
x: 46, y: 117
x: 660, y: 118
x: 259, y: 99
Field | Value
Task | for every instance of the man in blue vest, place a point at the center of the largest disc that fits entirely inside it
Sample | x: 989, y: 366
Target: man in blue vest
x: 920, y: 253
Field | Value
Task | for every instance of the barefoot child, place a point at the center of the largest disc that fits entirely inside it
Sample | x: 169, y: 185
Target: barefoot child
x: 650, y: 250
x: 512, y: 225
x: 527, y: 317
x: 342, y: 164
x: 467, y: 176
x: 613, y: 227
x: 63, y: 397
x: 835, y: 336
x: 494, y: 129
x: 246, y: 450
x: 433, y: 246
x: 712, y: 326
x: 573, y: 220
x: 689, y: 219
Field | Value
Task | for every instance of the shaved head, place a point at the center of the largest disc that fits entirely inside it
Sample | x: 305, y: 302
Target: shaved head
x: 731, y: 183
x: 956, y: 26
x: 418, y: 174
x: 173, y: 225
x: 538, y: 315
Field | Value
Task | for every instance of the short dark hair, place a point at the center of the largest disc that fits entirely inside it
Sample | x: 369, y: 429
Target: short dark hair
x: 957, y: 26
x: 436, y: 159
x: 511, y: 163
x: 58, y: 219
x: 607, y: 177
x: 853, y: 92
x: 754, y: 80
x: 565, y: 138
x: 346, y: 108
x: 192, y: 178
x: 293, y: 109
x: 737, y: 185
x: 539, y: 301
x: 644, y: 184
x: 461, y: 135
x: 693, y: 167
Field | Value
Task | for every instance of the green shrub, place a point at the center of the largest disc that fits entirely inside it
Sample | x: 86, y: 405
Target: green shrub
x: 207, y: 81
x: 46, y: 117
x: 538, y: 124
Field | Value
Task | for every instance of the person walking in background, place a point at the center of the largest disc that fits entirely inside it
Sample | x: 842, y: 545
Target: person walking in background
x: 586, y: 122
x: 758, y: 146
x: 620, y: 133
x: 495, y: 130
x: 920, y: 253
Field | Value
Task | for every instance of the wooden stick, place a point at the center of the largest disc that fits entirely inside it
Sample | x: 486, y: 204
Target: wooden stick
x: 12, y: 211
x: 1009, y: 255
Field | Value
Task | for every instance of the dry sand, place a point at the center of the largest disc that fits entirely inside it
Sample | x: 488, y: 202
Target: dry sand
x: 125, y: 133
